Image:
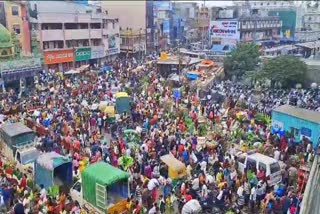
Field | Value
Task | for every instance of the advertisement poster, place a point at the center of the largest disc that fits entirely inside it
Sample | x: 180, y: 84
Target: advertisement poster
x: 60, y: 56
x: 166, y: 26
x: 112, y: 41
x: 97, y: 52
x: 83, y: 54
x: 224, y: 30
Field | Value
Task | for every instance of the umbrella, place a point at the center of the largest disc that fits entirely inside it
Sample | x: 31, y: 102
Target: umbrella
x: 191, y: 207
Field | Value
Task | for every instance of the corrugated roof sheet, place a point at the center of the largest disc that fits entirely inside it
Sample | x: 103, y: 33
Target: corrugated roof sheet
x: 301, y: 113
x: 104, y: 173
x: 15, y: 129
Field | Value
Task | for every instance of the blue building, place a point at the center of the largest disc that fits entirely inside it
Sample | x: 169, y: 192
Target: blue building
x: 299, y: 122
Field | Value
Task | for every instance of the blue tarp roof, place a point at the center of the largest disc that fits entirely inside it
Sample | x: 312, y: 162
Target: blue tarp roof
x: 217, y: 48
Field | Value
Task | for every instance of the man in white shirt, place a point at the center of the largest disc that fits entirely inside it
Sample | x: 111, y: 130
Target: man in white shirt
x: 152, y: 184
x: 277, y: 154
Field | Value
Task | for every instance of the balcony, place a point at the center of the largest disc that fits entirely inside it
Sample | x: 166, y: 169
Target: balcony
x: 51, y: 35
x: 95, y: 33
x: 77, y: 34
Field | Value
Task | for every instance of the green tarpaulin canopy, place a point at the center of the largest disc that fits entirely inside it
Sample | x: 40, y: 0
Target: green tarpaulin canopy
x: 104, y: 173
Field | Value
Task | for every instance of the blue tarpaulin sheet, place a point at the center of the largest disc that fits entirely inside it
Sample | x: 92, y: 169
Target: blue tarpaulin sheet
x: 192, y: 76
x: 217, y: 48
x: 105, y: 68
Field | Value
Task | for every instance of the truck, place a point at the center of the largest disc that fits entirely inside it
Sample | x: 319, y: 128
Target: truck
x: 53, y: 169
x: 18, y: 145
x: 103, y: 188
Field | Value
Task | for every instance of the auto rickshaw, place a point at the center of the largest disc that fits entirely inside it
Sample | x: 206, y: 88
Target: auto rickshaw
x: 122, y: 103
x: 108, y: 110
x: 176, y: 169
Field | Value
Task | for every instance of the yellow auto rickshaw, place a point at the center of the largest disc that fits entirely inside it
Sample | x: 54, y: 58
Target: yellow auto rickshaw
x: 176, y: 168
x: 122, y: 103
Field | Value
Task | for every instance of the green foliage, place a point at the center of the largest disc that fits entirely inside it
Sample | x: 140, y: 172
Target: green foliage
x: 244, y: 57
x: 202, y: 130
x: 263, y: 118
x: 286, y: 70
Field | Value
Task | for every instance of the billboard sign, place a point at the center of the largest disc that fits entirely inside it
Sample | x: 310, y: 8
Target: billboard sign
x: 166, y: 26
x: 97, y: 52
x: 224, y: 29
x: 83, y: 54
x: 60, y: 56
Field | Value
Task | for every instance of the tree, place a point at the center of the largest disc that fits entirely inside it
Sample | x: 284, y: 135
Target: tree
x: 245, y: 57
x: 287, y: 70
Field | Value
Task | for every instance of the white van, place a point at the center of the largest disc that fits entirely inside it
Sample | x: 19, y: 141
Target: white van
x: 270, y: 165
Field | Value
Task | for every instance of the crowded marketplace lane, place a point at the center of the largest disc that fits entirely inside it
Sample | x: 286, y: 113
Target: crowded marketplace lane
x: 122, y: 138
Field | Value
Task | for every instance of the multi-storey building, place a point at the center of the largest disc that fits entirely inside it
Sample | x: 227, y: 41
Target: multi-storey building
x: 187, y: 13
x: 72, y: 34
x: 311, y: 18
x: 259, y: 28
x: 132, y: 22
x: 203, y: 22
x: 287, y: 11
x: 15, y: 19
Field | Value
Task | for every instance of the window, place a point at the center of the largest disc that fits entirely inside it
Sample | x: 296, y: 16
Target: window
x: 16, y: 29
x: 4, y: 53
x: 275, y: 167
x: 15, y: 10
x: 77, y: 187
x: 294, y: 131
x: 251, y: 164
x: 262, y: 166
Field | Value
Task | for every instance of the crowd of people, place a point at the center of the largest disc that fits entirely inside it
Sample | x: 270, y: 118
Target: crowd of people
x: 212, y: 178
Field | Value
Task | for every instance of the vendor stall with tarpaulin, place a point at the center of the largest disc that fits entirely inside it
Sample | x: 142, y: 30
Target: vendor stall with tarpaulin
x: 297, y: 121
x: 53, y: 169
x: 104, y: 185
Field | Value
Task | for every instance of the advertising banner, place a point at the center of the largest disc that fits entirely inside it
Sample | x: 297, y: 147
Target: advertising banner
x: 112, y: 51
x: 166, y: 26
x: 21, y: 64
x: 83, y: 54
x: 112, y: 41
x: 97, y: 52
x: 60, y: 56
x: 224, y: 30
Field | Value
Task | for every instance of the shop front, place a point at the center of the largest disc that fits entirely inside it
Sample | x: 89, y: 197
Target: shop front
x: 19, y: 74
x: 59, y: 60
x: 82, y: 56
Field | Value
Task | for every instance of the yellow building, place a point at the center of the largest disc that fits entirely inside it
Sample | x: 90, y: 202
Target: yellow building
x: 17, y: 22
x: 6, y: 46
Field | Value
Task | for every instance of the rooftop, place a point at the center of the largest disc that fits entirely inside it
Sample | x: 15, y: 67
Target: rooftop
x: 15, y: 129
x: 300, y: 113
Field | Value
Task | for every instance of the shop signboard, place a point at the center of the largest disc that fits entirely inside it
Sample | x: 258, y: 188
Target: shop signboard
x: 82, y: 54
x: 16, y: 69
x: 112, y: 51
x: 97, y: 52
x: 59, y: 56
x: 21, y: 64
x: 224, y: 29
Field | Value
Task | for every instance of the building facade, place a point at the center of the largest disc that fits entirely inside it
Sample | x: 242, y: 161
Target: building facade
x: 132, y: 22
x: 259, y: 28
x: 203, y: 23
x: 287, y: 11
x: 73, y: 34
x: 16, y: 19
